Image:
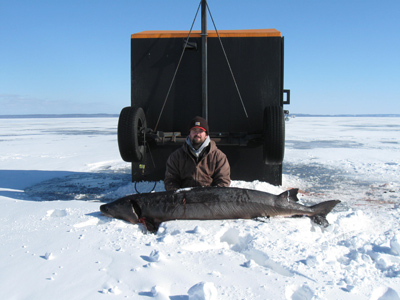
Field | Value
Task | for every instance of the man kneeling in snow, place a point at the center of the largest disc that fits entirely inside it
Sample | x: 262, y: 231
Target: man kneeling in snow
x: 198, y: 162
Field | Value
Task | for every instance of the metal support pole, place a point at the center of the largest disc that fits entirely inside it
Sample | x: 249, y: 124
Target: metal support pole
x: 204, y: 58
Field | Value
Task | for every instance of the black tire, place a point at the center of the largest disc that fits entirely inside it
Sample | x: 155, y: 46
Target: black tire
x: 274, y: 135
x: 131, y: 129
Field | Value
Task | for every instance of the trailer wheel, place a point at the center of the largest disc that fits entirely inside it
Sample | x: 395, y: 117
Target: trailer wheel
x: 274, y: 135
x: 131, y: 130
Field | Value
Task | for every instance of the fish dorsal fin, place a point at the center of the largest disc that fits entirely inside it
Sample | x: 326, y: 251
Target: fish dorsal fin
x: 290, y: 195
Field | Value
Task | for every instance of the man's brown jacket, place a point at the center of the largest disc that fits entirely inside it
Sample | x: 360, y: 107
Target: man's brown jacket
x: 183, y: 171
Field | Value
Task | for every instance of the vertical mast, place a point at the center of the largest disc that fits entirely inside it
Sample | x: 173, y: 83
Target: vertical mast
x: 204, y: 58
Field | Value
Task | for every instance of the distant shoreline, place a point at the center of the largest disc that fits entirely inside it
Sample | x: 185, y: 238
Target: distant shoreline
x: 60, y: 116
x: 349, y: 115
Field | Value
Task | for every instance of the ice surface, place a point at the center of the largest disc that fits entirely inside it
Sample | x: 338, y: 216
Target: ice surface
x: 56, y: 244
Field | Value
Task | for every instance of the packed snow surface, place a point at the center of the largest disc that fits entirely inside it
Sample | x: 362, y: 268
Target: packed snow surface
x: 55, y: 244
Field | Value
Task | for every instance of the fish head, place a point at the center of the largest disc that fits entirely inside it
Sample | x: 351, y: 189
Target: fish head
x: 121, y: 209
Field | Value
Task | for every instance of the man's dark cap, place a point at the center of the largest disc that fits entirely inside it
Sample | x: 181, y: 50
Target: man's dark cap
x: 199, y: 122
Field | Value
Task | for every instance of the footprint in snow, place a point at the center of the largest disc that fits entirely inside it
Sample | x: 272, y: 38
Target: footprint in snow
x: 384, y: 293
x: 203, y: 290
x: 159, y: 293
x: 90, y: 222
x: 57, y: 213
x: 112, y: 290
x: 48, y: 256
x: 295, y: 292
x: 155, y: 256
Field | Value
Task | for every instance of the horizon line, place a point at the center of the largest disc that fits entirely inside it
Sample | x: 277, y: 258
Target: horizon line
x: 106, y: 115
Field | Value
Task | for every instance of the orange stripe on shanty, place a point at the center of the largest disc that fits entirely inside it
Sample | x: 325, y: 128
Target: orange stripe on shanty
x: 197, y: 33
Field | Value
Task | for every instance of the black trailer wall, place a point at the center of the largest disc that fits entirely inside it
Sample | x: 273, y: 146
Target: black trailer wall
x: 257, y: 63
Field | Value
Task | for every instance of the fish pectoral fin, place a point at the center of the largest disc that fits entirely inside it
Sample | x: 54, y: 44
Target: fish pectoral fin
x: 151, y: 225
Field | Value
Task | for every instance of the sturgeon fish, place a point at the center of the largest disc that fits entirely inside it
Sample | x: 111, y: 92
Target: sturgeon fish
x: 212, y: 203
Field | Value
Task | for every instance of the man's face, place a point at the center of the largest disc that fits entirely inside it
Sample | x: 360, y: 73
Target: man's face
x: 197, y: 137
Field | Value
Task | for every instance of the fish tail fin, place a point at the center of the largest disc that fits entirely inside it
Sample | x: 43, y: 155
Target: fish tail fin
x: 321, y: 210
x: 290, y: 194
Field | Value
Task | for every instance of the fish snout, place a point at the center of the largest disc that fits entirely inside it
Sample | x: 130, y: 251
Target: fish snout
x: 104, y: 209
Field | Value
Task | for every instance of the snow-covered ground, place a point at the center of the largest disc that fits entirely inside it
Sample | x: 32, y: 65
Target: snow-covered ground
x: 55, y: 244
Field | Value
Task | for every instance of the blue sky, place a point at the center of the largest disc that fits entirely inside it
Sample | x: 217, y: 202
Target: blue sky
x: 69, y: 56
